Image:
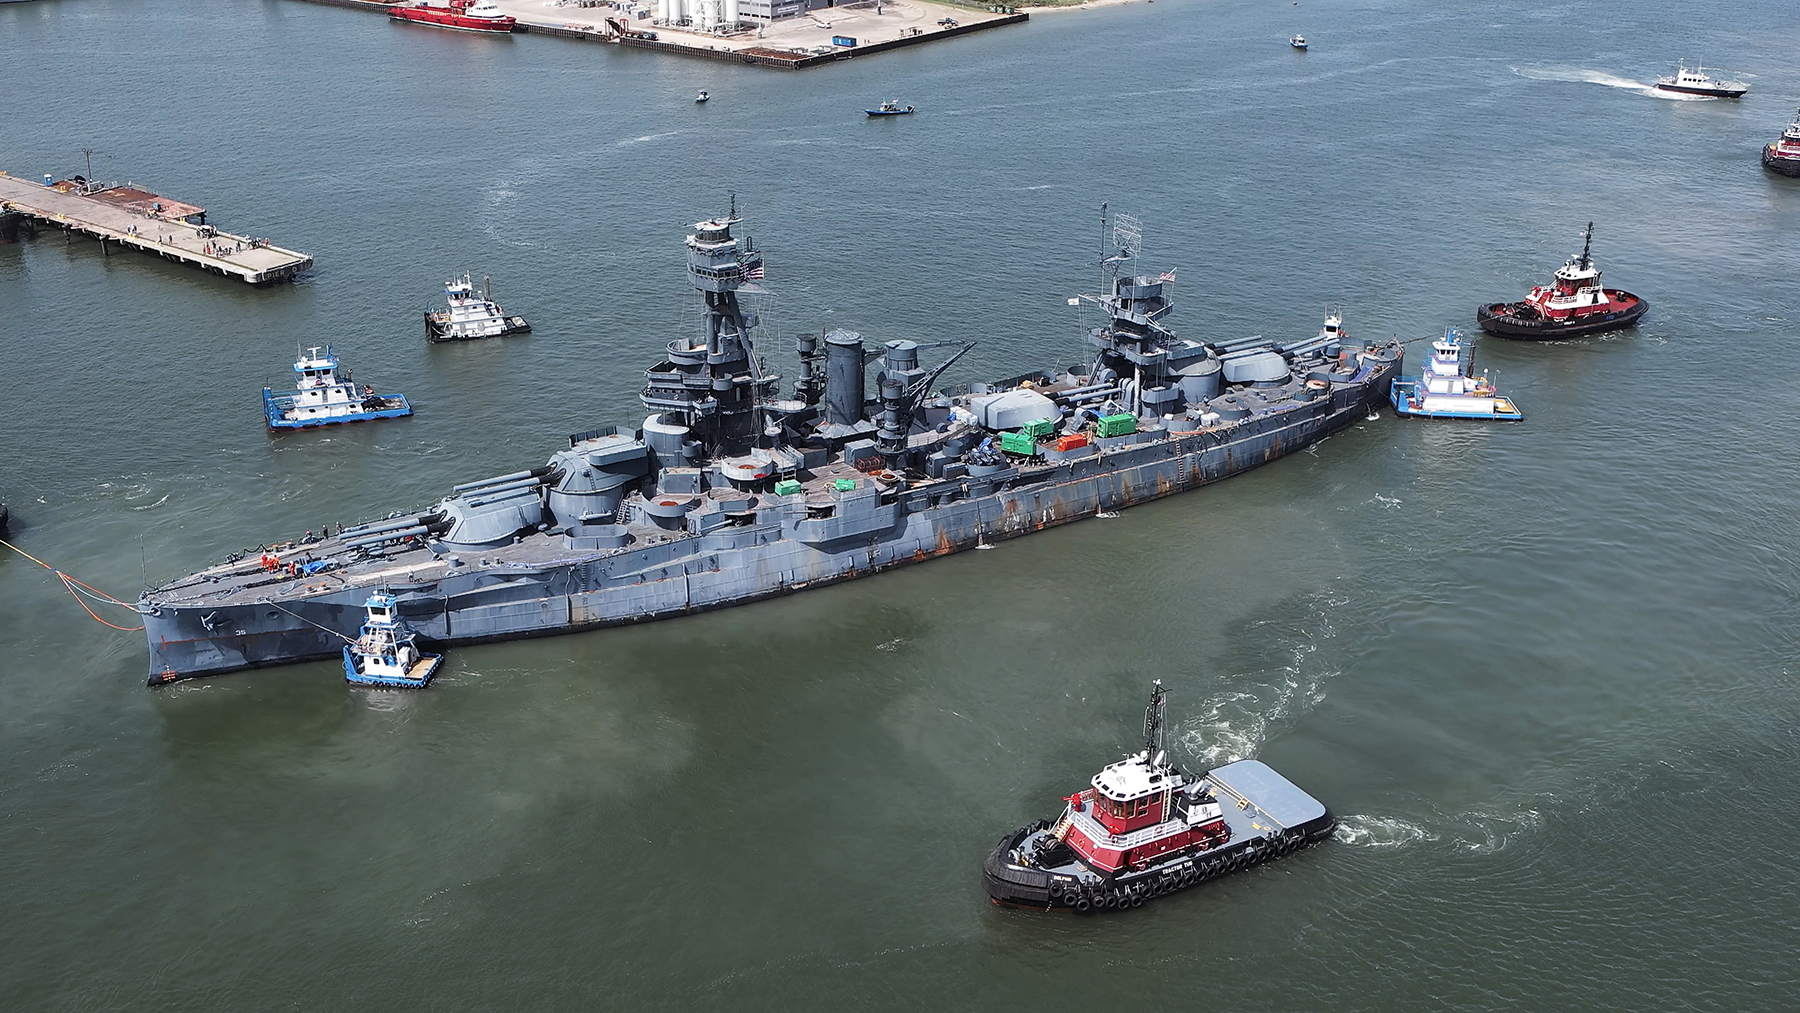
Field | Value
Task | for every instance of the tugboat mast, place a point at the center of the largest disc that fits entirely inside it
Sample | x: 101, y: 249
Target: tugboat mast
x: 1587, y: 242
x: 1153, y: 723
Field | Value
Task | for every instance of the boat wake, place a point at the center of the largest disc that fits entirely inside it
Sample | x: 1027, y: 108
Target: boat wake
x: 1379, y: 832
x: 630, y: 141
x: 1478, y: 831
x: 1578, y: 75
x: 1234, y: 725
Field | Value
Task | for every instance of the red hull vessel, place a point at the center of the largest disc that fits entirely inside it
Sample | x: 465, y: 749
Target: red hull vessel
x: 462, y: 16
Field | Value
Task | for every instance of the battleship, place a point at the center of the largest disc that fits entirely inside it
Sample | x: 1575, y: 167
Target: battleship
x: 729, y: 492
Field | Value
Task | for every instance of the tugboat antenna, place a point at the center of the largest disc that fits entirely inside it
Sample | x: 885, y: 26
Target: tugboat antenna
x: 1587, y: 240
x: 1153, y: 721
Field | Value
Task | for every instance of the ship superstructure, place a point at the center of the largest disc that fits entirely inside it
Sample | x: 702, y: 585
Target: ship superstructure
x: 728, y: 492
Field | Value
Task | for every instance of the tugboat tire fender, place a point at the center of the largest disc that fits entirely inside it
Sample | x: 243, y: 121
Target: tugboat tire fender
x: 1137, y: 900
x: 1082, y: 904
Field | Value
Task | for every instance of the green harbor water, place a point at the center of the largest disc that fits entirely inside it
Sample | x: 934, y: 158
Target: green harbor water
x: 1544, y: 672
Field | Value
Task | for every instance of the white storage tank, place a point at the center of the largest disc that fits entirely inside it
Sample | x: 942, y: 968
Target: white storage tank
x: 731, y: 13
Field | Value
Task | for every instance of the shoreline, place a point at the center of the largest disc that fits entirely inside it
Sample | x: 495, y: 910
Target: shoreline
x: 1085, y: 5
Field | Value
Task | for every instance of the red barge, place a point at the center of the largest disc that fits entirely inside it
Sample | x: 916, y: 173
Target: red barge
x: 1143, y: 829
x: 461, y: 16
x: 1571, y: 305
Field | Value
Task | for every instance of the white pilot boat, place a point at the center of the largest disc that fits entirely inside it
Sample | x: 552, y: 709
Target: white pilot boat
x: 386, y: 653
x: 322, y: 397
x: 1446, y: 388
x: 1698, y: 82
x: 1298, y: 41
x: 470, y: 315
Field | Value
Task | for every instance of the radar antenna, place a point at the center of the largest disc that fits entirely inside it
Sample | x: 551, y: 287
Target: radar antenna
x: 1153, y: 722
x: 1128, y: 235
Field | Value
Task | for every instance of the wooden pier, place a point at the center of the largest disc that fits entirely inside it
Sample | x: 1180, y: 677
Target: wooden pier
x: 136, y: 219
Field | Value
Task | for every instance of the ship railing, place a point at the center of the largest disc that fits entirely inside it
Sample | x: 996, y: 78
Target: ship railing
x: 1092, y: 830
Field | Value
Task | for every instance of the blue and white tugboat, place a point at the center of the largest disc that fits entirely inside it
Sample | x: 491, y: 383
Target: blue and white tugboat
x: 321, y: 397
x: 1143, y: 829
x: 1447, y: 388
x: 386, y: 653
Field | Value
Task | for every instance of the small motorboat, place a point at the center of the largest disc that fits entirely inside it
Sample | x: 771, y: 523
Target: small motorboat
x: 1448, y: 389
x: 1298, y: 42
x: 1783, y: 154
x: 702, y: 97
x: 1698, y: 82
x: 323, y: 397
x: 890, y: 108
x: 386, y: 654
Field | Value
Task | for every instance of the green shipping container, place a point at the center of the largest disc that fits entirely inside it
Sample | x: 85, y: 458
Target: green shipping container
x: 1039, y: 429
x: 1018, y: 443
x: 845, y: 484
x: 1122, y: 424
x: 786, y: 487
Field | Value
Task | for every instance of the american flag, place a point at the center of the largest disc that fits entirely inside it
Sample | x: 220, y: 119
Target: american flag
x: 1166, y: 276
x: 753, y: 271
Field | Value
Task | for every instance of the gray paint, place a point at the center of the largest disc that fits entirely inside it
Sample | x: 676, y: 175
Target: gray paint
x: 630, y: 525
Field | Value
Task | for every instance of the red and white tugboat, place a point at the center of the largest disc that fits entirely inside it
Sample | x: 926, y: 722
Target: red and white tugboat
x: 1143, y: 829
x: 1572, y: 305
x: 1783, y: 154
x: 461, y: 15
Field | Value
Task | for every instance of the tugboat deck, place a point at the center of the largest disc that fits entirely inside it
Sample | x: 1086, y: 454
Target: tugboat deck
x: 1260, y: 794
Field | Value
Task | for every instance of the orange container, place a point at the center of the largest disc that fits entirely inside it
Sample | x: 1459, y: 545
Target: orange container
x: 1071, y: 442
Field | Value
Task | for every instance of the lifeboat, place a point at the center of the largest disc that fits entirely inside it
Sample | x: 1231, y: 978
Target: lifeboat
x: 1573, y: 304
x: 1143, y: 828
x: 461, y: 16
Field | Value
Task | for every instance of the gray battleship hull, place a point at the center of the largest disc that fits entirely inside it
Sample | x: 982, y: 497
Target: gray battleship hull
x: 516, y: 594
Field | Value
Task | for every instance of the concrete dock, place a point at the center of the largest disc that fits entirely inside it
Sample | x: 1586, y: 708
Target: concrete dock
x: 132, y: 218
x: 788, y: 44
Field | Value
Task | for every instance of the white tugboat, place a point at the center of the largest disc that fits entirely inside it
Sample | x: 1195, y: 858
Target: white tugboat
x: 1143, y: 828
x: 1447, y: 390
x: 470, y: 316
x: 1698, y: 82
x: 386, y: 653
x: 321, y: 397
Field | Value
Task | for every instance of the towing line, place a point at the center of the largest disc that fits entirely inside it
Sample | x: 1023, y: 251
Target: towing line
x: 79, y: 590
